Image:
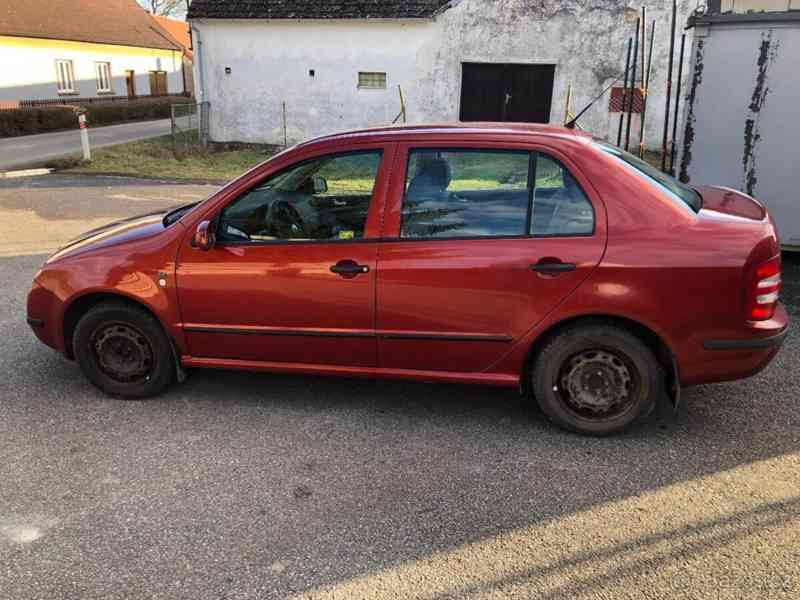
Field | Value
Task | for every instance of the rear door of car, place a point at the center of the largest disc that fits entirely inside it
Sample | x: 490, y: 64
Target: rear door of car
x: 467, y: 268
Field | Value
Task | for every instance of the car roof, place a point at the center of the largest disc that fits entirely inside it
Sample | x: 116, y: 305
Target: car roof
x: 494, y: 131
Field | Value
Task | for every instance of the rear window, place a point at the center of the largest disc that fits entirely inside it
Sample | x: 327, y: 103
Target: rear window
x: 676, y: 191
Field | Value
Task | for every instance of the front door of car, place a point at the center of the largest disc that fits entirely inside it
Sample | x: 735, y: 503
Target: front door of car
x: 291, y: 277
x: 487, y: 242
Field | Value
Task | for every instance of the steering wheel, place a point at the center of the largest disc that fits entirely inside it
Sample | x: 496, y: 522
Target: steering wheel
x: 286, y: 221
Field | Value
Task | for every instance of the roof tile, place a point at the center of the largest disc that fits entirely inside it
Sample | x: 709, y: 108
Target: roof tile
x: 315, y: 9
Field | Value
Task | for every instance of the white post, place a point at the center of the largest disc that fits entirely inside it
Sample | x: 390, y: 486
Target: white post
x: 87, y: 153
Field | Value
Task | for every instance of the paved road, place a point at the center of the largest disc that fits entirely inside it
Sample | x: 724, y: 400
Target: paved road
x: 242, y: 486
x: 29, y: 150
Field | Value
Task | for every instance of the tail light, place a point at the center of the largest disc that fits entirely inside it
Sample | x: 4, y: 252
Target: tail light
x: 765, y: 287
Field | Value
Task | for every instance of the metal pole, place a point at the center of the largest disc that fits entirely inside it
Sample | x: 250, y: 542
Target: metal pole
x: 631, y: 98
x: 677, y: 103
x: 624, y: 90
x: 644, y: 40
x: 646, y: 89
x: 665, y: 139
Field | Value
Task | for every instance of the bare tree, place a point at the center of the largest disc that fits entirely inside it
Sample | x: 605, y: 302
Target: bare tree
x: 165, y: 8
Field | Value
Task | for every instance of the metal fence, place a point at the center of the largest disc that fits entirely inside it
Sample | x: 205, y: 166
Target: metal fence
x: 189, y: 126
x: 91, y: 100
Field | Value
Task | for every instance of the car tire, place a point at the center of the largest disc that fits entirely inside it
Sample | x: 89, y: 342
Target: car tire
x: 596, y: 379
x: 123, y: 350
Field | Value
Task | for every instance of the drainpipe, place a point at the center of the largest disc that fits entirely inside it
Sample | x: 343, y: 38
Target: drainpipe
x: 198, y: 61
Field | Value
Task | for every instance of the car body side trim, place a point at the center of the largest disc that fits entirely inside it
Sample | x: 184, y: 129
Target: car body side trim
x: 349, y: 334
x: 37, y: 323
x: 753, y: 344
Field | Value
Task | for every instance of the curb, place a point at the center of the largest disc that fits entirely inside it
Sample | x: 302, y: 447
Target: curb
x: 122, y: 175
x: 24, y: 173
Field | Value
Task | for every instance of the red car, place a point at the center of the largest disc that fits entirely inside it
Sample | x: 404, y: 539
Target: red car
x: 522, y: 256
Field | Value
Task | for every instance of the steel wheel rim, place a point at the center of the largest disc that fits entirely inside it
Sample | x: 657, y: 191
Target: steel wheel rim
x: 122, y: 352
x: 598, y: 384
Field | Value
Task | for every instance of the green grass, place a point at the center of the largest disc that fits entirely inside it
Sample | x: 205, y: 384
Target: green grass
x: 155, y: 158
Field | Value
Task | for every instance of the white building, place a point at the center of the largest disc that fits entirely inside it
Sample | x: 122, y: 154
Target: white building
x: 70, y: 49
x: 338, y: 65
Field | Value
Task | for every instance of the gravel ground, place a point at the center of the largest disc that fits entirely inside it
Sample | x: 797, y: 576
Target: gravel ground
x: 237, y: 486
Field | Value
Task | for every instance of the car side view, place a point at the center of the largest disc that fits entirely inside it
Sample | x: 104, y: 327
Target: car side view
x: 524, y: 256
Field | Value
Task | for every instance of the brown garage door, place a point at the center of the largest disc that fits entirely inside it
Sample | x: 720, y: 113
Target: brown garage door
x: 506, y: 92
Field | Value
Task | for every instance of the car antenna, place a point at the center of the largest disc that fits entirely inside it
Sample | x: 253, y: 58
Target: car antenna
x: 574, y: 121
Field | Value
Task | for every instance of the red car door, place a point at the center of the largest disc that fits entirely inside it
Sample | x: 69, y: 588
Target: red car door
x: 474, y: 264
x: 291, y: 278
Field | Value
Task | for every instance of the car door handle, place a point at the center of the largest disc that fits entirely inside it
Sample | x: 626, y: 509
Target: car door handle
x: 349, y: 268
x: 553, y: 268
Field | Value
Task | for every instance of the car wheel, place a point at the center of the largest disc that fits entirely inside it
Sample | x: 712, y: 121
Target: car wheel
x: 123, y: 350
x: 596, y: 379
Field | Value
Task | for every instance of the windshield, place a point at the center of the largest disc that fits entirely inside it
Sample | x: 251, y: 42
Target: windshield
x: 676, y: 190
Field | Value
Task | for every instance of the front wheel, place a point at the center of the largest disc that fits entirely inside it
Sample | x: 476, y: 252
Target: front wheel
x: 122, y: 349
x: 596, y: 379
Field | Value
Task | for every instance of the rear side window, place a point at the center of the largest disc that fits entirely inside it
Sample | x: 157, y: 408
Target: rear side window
x: 465, y: 193
x: 560, y: 207
x: 491, y: 193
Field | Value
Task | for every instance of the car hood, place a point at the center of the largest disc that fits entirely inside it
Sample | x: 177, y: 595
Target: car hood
x: 118, y: 232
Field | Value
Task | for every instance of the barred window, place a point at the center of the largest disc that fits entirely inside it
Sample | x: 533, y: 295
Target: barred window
x: 103, y: 70
x: 65, y: 78
x: 372, y: 80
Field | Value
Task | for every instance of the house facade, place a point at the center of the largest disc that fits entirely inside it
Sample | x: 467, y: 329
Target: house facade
x: 70, y: 49
x: 300, y: 68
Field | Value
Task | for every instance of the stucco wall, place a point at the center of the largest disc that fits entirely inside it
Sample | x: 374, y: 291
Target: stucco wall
x: 270, y: 63
x: 29, y: 69
x: 744, y: 121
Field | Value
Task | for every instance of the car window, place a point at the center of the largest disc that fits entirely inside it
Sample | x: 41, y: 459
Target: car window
x: 323, y: 199
x: 466, y: 193
x: 560, y: 207
x: 676, y: 191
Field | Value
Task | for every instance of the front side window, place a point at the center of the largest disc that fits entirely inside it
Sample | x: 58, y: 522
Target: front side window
x: 466, y: 193
x: 103, y: 72
x: 560, y: 208
x: 323, y: 199
x: 65, y: 79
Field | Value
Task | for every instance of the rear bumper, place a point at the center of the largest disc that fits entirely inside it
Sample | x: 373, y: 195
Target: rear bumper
x: 738, y: 356
x: 749, y: 344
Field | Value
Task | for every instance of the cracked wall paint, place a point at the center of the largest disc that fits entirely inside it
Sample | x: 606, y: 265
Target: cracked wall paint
x: 270, y: 61
x: 691, y: 118
x: 752, y: 134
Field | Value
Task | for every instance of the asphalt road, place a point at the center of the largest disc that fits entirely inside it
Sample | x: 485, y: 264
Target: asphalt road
x: 31, y: 150
x: 241, y: 486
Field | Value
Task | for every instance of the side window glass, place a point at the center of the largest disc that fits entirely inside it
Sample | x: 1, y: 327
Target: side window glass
x: 560, y: 208
x: 465, y: 193
x: 323, y: 199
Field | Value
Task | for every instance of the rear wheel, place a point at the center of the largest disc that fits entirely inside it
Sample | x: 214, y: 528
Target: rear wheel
x: 122, y: 349
x: 596, y: 379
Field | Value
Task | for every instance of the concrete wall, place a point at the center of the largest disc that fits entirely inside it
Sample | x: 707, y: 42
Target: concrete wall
x: 744, y: 118
x: 744, y: 6
x: 29, y: 70
x: 270, y: 63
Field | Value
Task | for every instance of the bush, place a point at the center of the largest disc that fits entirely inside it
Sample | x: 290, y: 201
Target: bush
x: 137, y: 110
x: 25, y: 121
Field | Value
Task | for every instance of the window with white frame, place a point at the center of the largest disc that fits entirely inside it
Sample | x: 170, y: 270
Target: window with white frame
x: 372, y: 80
x: 103, y: 71
x: 65, y: 78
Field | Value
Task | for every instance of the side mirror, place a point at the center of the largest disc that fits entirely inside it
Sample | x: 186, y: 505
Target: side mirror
x: 204, y: 237
x: 320, y: 185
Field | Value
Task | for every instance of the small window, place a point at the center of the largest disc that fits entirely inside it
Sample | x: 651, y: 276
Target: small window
x: 372, y: 81
x: 103, y: 71
x: 65, y: 78
x: 465, y: 193
x: 323, y: 199
x: 560, y: 207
